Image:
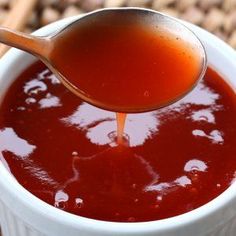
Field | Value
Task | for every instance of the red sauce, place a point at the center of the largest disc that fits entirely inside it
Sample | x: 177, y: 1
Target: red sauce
x: 63, y: 150
x: 126, y: 66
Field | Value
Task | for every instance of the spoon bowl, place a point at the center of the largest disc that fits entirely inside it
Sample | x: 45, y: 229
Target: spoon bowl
x: 116, y: 58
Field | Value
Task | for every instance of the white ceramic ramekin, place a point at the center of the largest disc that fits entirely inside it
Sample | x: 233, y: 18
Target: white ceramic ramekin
x: 22, y: 214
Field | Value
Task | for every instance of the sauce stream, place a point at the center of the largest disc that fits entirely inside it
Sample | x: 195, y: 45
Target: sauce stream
x: 120, y: 120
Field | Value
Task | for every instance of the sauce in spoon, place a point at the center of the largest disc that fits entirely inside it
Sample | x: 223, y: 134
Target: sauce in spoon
x: 125, y: 66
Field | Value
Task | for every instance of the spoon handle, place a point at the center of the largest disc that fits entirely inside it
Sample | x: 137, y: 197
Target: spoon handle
x: 38, y: 46
x: 17, y: 17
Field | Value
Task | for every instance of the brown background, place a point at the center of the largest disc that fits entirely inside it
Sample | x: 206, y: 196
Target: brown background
x: 217, y: 16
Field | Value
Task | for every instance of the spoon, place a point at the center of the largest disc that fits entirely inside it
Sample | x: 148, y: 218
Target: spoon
x: 108, y: 59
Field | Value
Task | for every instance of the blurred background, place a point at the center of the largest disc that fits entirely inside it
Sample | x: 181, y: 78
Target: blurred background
x: 217, y: 16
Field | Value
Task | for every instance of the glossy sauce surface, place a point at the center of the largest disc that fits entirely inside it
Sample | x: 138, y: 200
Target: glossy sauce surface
x: 64, y: 151
x: 126, y: 66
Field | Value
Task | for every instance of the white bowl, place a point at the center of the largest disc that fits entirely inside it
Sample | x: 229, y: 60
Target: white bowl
x: 22, y: 214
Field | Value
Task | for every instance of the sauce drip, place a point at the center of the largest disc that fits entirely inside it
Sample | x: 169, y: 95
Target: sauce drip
x: 120, y: 119
x: 124, y: 65
x: 62, y: 150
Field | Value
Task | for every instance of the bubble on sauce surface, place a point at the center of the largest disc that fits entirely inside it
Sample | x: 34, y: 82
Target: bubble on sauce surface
x: 79, y: 202
x: 195, y: 165
x: 61, y: 199
x: 204, y: 115
x: 75, y: 153
x: 159, y: 198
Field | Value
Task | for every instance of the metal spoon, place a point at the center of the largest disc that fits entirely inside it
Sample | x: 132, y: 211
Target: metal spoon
x: 42, y: 47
